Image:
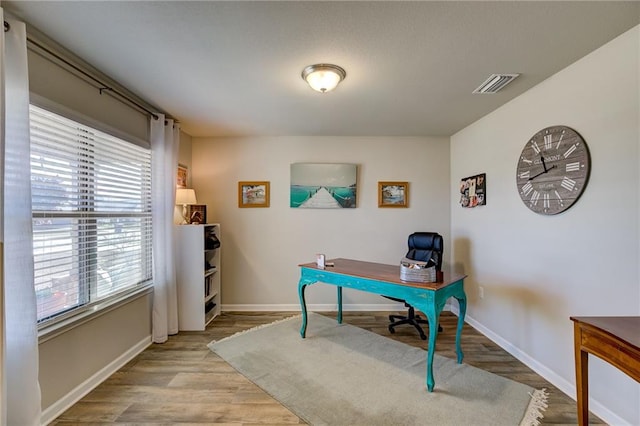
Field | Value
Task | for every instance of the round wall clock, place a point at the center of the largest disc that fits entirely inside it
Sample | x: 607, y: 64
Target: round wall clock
x: 553, y: 170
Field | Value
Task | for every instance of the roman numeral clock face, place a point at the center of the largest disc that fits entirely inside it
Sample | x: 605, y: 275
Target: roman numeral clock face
x: 553, y: 170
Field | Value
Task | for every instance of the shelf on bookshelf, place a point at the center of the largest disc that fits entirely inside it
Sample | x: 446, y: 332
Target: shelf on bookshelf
x: 208, y: 316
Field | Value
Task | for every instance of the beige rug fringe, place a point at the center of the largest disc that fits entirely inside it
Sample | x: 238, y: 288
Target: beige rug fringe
x: 258, y: 327
x: 536, y: 407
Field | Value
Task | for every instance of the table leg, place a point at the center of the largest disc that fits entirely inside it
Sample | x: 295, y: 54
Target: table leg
x: 339, y: 305
x: 462, y: 307
x: 582, y: 377
x: 432, y: 318
x: 303, y: 306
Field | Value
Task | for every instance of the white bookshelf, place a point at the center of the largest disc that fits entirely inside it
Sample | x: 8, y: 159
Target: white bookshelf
x: 198, y: 276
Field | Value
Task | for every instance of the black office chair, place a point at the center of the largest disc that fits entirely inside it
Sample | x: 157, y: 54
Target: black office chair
x: 425, y: 247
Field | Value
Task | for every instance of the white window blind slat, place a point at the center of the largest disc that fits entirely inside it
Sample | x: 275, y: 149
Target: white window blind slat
x: 91, y: 202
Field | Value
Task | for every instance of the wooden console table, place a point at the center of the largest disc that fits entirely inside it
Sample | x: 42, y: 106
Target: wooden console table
x: 429, y: 298
x: 616, y: 340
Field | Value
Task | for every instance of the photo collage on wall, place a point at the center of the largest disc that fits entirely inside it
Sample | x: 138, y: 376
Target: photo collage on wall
x: 473, y: 191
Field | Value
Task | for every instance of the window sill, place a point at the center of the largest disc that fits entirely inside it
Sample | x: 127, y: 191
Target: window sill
x: 57, y: 327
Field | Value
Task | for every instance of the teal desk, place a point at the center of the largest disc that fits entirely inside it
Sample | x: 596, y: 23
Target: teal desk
x: 429, y: 298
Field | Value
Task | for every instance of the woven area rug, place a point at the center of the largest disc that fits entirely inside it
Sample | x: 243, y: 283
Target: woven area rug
x: 344, y: 375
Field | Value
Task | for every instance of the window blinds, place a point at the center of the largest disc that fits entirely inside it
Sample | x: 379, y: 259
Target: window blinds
x: 91, y: 204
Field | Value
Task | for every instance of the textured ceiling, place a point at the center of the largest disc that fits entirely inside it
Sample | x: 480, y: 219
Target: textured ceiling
x: 233, y: 67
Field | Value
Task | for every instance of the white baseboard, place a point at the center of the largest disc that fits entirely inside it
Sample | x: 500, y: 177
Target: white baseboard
x: 64, y: 403
x: 558, y: 381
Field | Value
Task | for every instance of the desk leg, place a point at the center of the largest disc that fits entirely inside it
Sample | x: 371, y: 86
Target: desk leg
x: 339, y: 305
x: 582, y: 377
x: 432, y: 315
x: 433, y: 333
x: 303, y: 306
x: 462, y: 306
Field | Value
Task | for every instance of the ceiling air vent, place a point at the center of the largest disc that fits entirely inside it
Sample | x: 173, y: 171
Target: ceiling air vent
x: 495, y: 82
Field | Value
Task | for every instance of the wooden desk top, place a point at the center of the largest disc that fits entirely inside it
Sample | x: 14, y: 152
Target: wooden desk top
x: 624, y: 328
x: 615, y: 340
x: 381, y: 272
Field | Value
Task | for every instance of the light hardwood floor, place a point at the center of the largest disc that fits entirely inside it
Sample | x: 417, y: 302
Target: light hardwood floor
x: 182, y: 381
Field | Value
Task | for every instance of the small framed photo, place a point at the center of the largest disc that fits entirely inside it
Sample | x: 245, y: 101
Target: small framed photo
x: 197, y: 214
x: 253, y: 194
x: 393, y: 194
x: 181, y: 181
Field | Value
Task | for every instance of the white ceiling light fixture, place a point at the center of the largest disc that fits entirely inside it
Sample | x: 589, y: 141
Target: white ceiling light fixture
x: 495, y: 82
x: 323, y: 77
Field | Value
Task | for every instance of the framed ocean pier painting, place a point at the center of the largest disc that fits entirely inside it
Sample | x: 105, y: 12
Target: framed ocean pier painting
x: 323, y: 186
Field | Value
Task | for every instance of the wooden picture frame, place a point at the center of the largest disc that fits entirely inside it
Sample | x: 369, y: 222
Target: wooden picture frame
x: 182, y: 176
x: 253, y: 194
x: 393, y: 194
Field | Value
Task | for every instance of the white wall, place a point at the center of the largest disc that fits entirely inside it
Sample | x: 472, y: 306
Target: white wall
x: 536, y: 270
x: 261, y: 247
x: 74, y: 362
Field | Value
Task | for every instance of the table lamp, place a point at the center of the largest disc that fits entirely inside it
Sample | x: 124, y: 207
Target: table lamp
x: 184, y: 197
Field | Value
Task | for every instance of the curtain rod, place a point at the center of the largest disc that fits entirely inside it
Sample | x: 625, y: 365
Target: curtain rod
x: 103, y: 86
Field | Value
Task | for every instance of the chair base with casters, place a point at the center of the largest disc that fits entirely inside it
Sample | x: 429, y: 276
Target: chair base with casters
x: 411, y: 318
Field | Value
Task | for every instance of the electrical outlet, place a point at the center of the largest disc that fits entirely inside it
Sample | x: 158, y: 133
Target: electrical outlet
x: 481, y: 292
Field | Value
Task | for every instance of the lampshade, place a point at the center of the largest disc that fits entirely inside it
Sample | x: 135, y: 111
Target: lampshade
x: 323, y: 77
x: 186, y: 196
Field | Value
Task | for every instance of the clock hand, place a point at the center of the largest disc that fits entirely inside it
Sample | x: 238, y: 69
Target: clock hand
x: 542, y: 172
x: 543, y: 164
x: 535, y: 176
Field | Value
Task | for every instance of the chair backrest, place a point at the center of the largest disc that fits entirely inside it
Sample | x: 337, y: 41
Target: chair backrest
x: 425, y: 246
